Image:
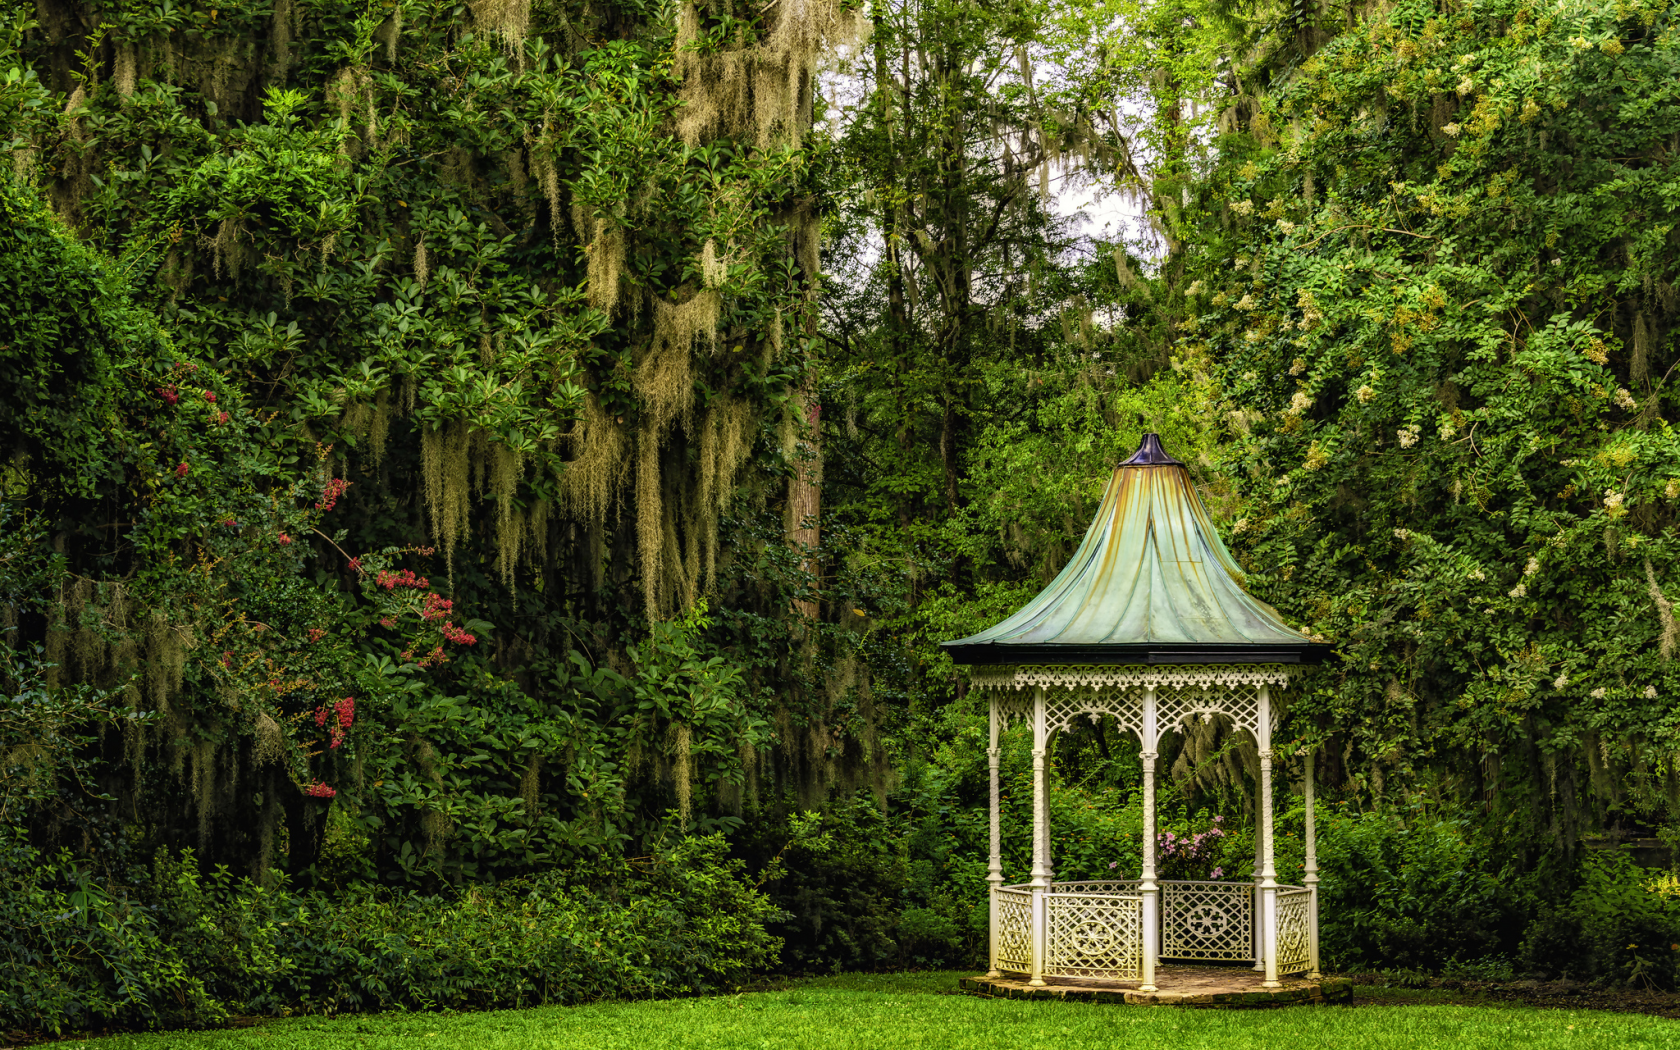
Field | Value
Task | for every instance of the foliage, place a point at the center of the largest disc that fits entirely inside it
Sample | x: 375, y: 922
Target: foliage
x: 165, y: 945
x: 1615, y: 928
x: 1413, y: 890
x: 1441, y: 357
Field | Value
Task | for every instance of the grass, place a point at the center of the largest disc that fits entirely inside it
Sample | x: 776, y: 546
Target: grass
x: 902, y: 1011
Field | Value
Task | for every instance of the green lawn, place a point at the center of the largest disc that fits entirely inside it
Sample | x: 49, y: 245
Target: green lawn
x: 912, y: 1010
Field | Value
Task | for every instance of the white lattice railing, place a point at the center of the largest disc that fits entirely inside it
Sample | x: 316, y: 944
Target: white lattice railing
x: 1094, y: 935
x: 1127, y: 887
x: 1204, y: 921
x: 1014, y: 929
x: 1294, y: 930
x: 1095, y: 928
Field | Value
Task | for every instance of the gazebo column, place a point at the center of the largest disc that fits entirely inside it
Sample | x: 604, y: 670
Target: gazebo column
x: 1147, y: 886
x: 1268, y: 872
x: 1258, y: 900
x: 994, y: 863
x: 1041, y: 873
x: 1310, y: 879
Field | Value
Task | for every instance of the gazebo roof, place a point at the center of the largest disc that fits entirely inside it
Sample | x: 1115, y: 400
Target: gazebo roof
x: 1151, y: 583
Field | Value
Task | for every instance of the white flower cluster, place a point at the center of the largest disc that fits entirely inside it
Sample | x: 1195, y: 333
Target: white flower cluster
x: 1245, y: 303
x: 1519, y: 591
x: 1532, y: 567
x: 1613, y: 499
x: 1240, y: 525
x: 1625, y: 399
x: 1300, y: 402
x: 1194, y: 290
x: 1478, y: 575
x: 1402, y: 534
x: 1446, y: 430
x: 1562, y: 683
x: 1650, y: 692
x: 1451, y: 130
x: 1598, y: 694
x: 1466, y: 86
x: 1286, y: 226
x: 1245, y: 208
x: 1408, y: 437
x: 1365, y: 394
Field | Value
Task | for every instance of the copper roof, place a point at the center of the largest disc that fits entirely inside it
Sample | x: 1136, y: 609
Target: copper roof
x: 1151, y: 583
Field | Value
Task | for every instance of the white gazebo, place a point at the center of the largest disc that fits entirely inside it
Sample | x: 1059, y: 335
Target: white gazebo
x: 1148, y: 624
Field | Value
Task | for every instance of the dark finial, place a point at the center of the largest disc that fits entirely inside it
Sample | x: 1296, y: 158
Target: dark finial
x: 1151, y: 454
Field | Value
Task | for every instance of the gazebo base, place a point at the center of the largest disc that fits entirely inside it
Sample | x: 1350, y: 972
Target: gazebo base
x: 1204, y: 986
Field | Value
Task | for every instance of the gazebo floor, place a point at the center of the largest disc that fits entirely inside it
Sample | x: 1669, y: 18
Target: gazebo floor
x: 1202, y: 986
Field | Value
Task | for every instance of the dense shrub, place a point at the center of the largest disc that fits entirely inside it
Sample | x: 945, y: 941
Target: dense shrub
x: 166, y: 946
x: 1615, y: 928
x: 1411, y: 890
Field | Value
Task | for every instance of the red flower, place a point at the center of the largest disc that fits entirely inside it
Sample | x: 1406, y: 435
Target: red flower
x: 168, y: 394
x: 181, y: 470
x: 319, y: 790
x: 390, y: 580
x: 387, y: 621
x: 223, y: 418
x: 346, y: 711
x: 456, y: 635
x: 316, y: 633
x: 285, y: 540
x: 356, y: 564
x: 329, y: 495
x: 208, y: 396
x: 435, y: 607
x: 230, y: 523
x: 321, y: 717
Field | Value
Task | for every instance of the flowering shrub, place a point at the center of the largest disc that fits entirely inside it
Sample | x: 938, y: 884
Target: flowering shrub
x: 1191, y: 856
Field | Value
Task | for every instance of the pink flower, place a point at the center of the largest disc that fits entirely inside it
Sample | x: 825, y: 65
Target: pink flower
x: 329, y: 494
x: 319, y: 790
x: 285, y: 540
x: 168, y: 394
x: 181, y: 470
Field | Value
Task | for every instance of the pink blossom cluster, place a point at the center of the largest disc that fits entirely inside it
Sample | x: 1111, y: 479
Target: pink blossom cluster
x: 342, y: 714
x: 390, y: 579
x: 1192, y: 850
x: 319, y: 790
x: 329, y: 495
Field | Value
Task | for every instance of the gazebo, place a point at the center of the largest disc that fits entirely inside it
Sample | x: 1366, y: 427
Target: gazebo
x: 1148, y: 624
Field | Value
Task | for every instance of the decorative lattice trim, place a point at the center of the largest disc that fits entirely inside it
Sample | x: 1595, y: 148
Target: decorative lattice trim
x: 1094, y: 935
x: 1294, y: 934
x: 1014, y: 932
x: 1207, y: 920
x: 1128, y: 676
x: 1175, y: 704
